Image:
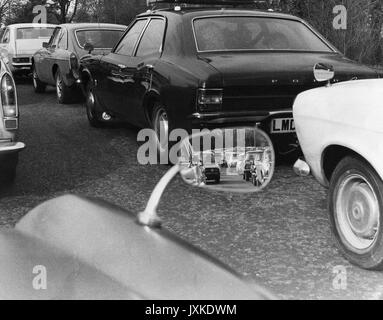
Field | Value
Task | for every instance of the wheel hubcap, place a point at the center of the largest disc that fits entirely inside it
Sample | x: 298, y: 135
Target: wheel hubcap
x: 34, y: 77
x: 357, y: 209
x: 162, y: 129
x: 59, y: 85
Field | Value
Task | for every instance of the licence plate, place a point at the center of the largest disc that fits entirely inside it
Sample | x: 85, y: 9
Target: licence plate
x: 285, y: 125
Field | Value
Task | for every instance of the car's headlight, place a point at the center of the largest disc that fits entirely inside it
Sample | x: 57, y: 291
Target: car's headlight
x: 209, y: 99
x: 8, y: 96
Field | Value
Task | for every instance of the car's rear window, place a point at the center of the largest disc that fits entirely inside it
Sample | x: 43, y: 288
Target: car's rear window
x: 34, y: 33
x: 99, y: 38
x: 255, y: 33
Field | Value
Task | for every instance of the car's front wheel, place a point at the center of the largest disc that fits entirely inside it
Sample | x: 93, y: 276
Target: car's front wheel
x: 356, y: 208
x: 38, y: 86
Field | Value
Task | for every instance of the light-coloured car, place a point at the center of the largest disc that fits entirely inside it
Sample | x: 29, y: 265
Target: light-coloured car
x: 9, y: 125
x: 57, y: 62
x: 340, y: 129
x: 20, y: 41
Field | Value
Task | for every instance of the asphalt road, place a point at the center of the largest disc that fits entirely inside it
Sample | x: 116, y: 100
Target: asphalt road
x: 279, y: 237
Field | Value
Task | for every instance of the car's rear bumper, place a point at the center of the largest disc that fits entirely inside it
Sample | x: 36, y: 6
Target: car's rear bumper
x: 11, y: 147
x: 217, y: 119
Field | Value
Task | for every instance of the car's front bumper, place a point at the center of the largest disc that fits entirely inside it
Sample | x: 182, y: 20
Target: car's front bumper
x: 11, y: 147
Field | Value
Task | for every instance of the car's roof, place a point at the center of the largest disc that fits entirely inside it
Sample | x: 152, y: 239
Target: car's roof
x: 73, y: 26
x: 31, y: 25
x: 206, y: 11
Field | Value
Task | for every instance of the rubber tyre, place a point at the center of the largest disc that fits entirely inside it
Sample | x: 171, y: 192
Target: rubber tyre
x: 38, y: 86
x: 66, y: 94
x: 372, y: 258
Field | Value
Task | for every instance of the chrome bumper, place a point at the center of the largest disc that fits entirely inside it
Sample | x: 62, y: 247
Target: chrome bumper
x: 12, y: 147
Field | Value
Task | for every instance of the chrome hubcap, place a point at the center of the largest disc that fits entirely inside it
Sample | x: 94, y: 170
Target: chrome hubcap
x: 162, y: 129
x: 357, y: 213
x: 59, y: 86
x: 34, y: 77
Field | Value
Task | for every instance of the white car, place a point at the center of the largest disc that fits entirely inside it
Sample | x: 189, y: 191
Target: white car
x: 20, y: 41
x: 9, y: 125
x: 340, y: 129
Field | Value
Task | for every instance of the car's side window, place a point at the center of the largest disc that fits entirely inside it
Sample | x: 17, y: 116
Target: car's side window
x: 6, y: 36
x: 54, y: 39
x: 128, y: 43
x: 151, y: 42
x: 63, y: 40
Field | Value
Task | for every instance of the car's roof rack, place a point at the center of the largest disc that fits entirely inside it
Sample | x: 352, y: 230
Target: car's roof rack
x: 259, y: 4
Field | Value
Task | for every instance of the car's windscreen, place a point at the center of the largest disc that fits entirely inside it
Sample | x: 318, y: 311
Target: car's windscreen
x: 34, y: 33
x: 255, y: 33
x: 99, y: 38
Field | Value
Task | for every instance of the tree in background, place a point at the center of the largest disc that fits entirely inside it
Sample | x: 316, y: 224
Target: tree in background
x: 64, y: 10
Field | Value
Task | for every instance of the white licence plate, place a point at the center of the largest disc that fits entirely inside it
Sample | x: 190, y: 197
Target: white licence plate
x: 285, y: 125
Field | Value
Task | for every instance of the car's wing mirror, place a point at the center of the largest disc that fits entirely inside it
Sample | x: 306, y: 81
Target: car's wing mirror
x: 88, y: 47
x: 234, y: 160
x: 324, y: 72
x: 45, y: 45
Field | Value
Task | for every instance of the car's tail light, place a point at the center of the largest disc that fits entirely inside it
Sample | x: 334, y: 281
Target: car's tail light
x: 209, y: 99
x: 74, y: 65
x: 8, y: 96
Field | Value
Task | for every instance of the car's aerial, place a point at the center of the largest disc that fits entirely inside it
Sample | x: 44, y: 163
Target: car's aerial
x: 20, y: 41
x: 57, y: 63
x: 9, y: 125
x: 205, y: 67
x: 340, y: 131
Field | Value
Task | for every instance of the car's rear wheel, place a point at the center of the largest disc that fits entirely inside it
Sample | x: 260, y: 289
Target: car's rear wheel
x: 92, y: 108
x: 64, y: 93
x: 356, y: 208
x: 37, y: 84
x: 161, y: 125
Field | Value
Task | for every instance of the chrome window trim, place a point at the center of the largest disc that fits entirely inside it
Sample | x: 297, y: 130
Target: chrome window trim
x: 146, y: 27
x: 320, y: 37
x: 127, y: 31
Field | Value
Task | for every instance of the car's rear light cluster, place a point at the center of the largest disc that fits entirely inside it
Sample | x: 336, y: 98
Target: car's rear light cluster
x: 209, y: 100
x: 74, y: 65
x: 8, y: 98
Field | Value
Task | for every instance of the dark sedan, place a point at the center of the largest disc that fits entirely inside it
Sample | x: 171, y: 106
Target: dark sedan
x: 57, y: 63
x: 202, y: 67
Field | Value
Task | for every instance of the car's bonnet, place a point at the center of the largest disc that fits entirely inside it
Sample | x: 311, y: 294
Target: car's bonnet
x: 152, y: 263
